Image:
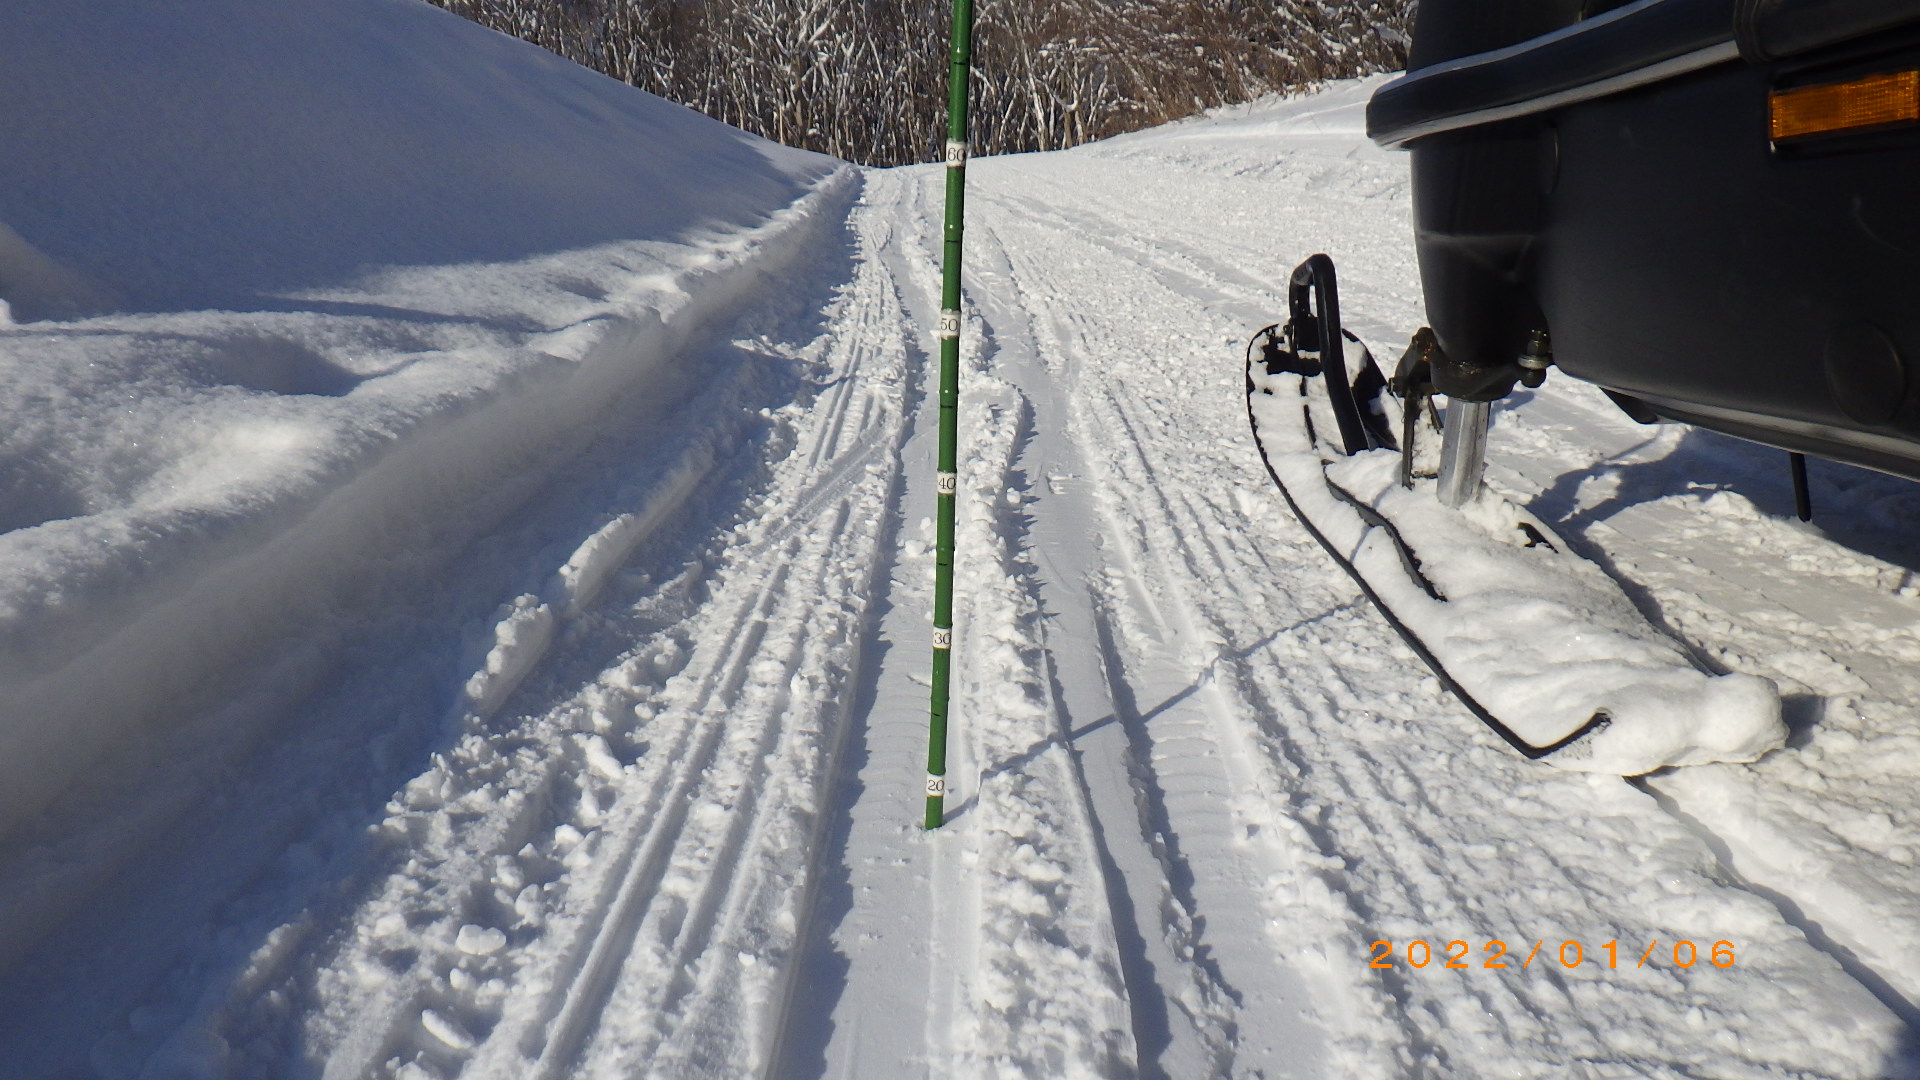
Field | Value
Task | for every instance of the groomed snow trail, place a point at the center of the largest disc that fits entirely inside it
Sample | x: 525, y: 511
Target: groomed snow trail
x: 1268, y: 783
x: 631, y: 785
x: 656, y: 883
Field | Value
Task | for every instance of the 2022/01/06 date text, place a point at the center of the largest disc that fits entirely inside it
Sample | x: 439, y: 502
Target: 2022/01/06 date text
x: 1494, y: 954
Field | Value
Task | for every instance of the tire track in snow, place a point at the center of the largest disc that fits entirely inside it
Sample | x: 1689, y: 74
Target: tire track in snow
x: 1349, y: 758
x: 680, y: 745
x: 608, y: 931
x: 672, y: 833
x: 687, y: 896
x: 1816, y: 827
x: 684, y: 982
x: 1178, y: 1026
x: 1046, y: 989
x: 863, y: 959
x: 1859, y: 907
x: 862, y: 343
x: 1015, y: 944
x: 1230, y: 270
x: 1658, y: 511
x: 1174, y: 798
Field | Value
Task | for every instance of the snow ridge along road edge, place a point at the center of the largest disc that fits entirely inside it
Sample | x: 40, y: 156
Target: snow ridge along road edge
x: 645, y: 839
x: 169, y: 644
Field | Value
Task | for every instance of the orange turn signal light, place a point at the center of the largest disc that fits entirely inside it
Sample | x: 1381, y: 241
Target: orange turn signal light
x: 1875, y: 101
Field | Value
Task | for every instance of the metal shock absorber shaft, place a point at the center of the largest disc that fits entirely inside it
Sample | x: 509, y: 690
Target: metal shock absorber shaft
x: 1463, y: 450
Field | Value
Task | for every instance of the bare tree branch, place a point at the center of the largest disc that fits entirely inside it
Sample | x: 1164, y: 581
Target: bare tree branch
x: 865, y: 80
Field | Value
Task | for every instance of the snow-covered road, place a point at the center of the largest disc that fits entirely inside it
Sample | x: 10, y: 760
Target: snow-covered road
x: 625, y: 780
x: 1268, y: 782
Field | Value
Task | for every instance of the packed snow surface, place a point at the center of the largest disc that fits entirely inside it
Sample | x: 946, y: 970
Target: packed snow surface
x: 464, y: 606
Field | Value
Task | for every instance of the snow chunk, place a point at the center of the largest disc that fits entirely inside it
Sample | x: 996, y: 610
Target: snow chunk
x: 479, y: 940
x: 587, y: 570
x: 600, y: 758
x: 521, y: 636
x: 446, y: 1029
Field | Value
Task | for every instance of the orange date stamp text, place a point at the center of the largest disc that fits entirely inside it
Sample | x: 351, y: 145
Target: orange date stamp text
x: 1494, y: 954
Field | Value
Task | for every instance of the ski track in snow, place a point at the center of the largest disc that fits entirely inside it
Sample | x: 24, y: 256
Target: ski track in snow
x: 664, y: 822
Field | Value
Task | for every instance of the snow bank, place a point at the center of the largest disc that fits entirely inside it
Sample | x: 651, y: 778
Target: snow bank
x: 216, y: 154
x: 1338, y: 109
x: 438, y: 257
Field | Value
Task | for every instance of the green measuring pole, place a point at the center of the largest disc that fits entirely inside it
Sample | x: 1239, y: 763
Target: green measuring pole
x: 959, y: 76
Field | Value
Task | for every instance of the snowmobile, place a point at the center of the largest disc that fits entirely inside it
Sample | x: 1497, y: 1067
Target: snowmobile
x: 1706, y: 208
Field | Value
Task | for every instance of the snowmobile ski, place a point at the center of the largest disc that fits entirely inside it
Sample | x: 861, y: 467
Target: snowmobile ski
x: 1541, y: 645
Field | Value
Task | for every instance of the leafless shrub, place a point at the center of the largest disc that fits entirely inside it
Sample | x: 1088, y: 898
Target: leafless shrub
x: 865, y: 80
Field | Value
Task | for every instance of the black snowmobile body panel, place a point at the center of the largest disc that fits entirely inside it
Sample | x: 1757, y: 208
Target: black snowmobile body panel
x: 1607, y: 173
